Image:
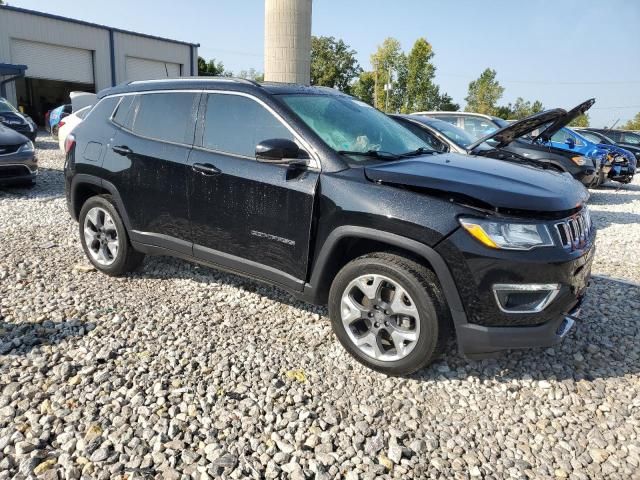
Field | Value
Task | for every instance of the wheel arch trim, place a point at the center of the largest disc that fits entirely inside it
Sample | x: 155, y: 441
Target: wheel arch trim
x: 434, y: 259
x: 81, y: 179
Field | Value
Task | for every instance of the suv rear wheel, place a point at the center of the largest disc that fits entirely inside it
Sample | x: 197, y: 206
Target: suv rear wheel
x: 104, y: 237
x: 389, y: 313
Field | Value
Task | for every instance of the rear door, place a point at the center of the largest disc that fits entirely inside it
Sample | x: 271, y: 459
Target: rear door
x: 148, y: 165
x: 246, y: 215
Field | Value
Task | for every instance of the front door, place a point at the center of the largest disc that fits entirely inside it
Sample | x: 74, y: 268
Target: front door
x: 248, y: 216
x: 150, y: 169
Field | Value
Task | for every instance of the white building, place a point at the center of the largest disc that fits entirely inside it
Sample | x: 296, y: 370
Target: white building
x: 63, y: 54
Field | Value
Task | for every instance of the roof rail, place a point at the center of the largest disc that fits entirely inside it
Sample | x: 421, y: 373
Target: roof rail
x: 214, y: 78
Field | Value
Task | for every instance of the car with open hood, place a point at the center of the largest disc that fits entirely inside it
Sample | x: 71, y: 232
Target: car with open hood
x: 621, y: 162
x: 506, y: 143
x: 602, y: 137
x: 18, y: 162
x: 322, y: 195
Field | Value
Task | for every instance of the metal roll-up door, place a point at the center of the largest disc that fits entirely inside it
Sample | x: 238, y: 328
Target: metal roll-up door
x: 145, y: 69
x: 53, y: 62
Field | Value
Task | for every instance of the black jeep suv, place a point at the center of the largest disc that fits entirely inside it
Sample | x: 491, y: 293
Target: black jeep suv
x: 324, y: 196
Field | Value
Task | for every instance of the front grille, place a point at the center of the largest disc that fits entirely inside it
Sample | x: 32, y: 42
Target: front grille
x: 7, y: 149
x: 575, y: 231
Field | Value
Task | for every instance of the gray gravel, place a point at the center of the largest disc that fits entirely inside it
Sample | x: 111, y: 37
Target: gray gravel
x: 179, y: 371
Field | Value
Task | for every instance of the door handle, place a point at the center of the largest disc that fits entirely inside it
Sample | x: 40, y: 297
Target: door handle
x: 122, y: 150
x: 206, y: 169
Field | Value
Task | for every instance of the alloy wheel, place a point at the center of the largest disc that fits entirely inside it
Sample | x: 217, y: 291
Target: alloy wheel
x: 380, y: 317
x: 101, y: 236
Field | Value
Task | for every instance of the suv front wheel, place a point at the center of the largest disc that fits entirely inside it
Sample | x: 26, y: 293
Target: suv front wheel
x: 104, y: 237
x: 389, y: 313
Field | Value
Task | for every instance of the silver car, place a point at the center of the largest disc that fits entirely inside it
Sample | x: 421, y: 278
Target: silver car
x: 18, y: 163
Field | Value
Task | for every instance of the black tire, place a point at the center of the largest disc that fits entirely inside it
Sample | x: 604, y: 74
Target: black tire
x: 423, y: 287
x: 127, y: 259
x: 54, y: 132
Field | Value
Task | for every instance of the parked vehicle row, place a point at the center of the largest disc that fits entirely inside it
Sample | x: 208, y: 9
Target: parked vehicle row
x: 321, y: 194
x: 542, y: 138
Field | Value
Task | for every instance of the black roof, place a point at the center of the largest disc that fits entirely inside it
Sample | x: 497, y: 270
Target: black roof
x: 219, y: 83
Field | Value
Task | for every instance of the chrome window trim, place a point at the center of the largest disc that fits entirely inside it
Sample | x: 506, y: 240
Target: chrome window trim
x: 314, y: 161
x: 552, y: 288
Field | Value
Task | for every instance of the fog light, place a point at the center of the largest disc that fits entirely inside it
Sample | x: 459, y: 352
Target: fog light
x: 525, y: 298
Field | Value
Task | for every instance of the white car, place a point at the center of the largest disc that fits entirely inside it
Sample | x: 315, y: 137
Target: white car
x: 68, y: 123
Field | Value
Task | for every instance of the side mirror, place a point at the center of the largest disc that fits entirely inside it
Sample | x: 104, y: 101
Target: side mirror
x: 570, y: 141
x: 278, y: 150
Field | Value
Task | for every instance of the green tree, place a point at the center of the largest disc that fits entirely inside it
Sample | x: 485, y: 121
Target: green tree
x: 211, y: 68
x: 633, y: 124
x: 333, y: 63
x: 580, y: 121
x: 518, y: 110
x: 422, y: 93
x: 447, y: 104
x: 364, y: 86
x: 484, y: 93
x: 389, y: 68
x: 252, y: 74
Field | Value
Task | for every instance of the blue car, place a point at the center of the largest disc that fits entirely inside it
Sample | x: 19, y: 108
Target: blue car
x: 55, y: 116
x: 615, y: 162
x: 622, y: 162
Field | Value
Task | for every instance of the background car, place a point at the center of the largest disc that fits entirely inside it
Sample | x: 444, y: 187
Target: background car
x: 623, y: 162
x: 55, y: 116
x: 67, y: 124
x: 601, y: 136
x: 517, y: 148
x: 623, y: 138
x: 13, y: 118
x: 18, y: 163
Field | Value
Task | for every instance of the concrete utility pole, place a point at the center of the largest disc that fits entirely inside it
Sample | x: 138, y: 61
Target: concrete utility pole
x: 287, y: 41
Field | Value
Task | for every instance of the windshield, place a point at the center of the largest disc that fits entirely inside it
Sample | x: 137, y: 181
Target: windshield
x: 453, y: 133
x: 6, y: 107
x: 349, y: 125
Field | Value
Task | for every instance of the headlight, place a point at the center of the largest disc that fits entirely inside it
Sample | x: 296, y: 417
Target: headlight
x: 507, y: 235
x: 27, y: 147
x: 579, y: 160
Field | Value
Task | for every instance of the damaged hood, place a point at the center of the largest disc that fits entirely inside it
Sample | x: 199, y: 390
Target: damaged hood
x: 505, y: 135
x: 493, y: 182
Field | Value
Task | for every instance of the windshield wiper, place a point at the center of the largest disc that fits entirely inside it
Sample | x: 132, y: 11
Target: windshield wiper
x: 417, y: 152
x: 371, y: 153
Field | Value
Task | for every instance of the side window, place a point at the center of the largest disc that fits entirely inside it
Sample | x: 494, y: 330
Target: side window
x: 236, y: 124
x: 561, y: 136
x: 424, y: 135
x: 121, y: 115
x: 479, y: 127
x: 165, y: 116
x: 630, y: 138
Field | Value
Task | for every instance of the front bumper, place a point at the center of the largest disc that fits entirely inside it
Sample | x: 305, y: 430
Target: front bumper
x: 479, y: 341
x: 476, y: 270
x: 18, y: 167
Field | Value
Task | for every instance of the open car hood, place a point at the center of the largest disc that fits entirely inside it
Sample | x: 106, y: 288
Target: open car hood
x: 79, y: 100
x: 563, y: 121
x: 505, y: 135
x: 493, y: 183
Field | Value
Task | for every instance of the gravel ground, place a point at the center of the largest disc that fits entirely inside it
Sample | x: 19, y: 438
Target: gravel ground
x: 179, y: 371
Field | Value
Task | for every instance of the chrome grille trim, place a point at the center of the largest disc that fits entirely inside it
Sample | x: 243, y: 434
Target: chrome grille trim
x: 575, y: 231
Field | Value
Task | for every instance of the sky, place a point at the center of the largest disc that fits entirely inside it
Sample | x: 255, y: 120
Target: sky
x: 560, y: 52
